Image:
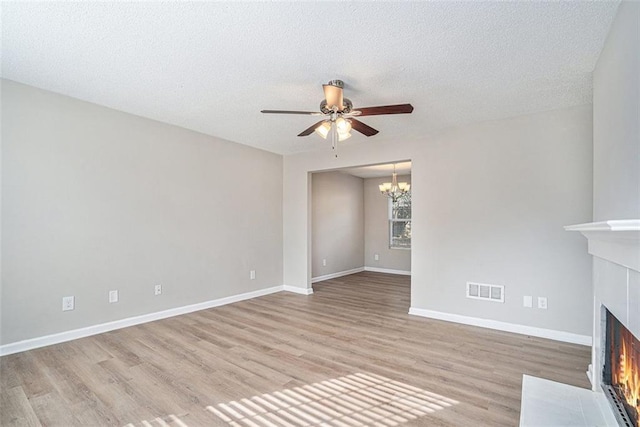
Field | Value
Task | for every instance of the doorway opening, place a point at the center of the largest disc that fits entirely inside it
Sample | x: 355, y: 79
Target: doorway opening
x: 354, y: 228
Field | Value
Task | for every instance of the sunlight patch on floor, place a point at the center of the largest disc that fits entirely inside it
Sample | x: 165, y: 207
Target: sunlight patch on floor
x: 353, y: 400
x: 172, y: 421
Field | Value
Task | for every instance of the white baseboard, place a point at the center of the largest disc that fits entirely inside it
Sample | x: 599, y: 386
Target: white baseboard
x: 297, y: 290
x: 338, y: 274
x: 388, y: 271
x: 46, y: 340
x: 504, y: 326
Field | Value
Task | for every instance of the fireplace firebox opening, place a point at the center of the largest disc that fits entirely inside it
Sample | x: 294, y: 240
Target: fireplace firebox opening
x: 621, y: 372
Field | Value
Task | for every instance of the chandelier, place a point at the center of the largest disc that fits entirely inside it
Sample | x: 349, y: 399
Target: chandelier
x: 394, y: 189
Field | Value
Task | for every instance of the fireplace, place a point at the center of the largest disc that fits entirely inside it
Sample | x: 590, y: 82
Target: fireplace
x: 615, y: 361
x: 621, y: 372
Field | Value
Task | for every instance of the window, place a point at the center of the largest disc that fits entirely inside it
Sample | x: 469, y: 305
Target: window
x: 400, y: 222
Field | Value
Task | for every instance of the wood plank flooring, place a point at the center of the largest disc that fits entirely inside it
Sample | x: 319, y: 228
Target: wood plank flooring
x: 348, y: 355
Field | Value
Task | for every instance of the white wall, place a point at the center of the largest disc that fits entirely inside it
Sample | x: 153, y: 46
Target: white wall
x: 616, y: 120
x: 338, y: 223
x: 95, y: 199
x: 489, y: 202
x: 376, y: 226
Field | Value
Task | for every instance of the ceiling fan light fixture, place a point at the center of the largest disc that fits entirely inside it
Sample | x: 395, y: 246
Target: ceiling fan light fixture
x: 343, y: 125
x: 323, y: 129
x: 335, y: 108
x: 343, y: 136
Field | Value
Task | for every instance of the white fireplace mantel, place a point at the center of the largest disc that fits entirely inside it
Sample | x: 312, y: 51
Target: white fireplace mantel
x: 617, y: 241
x: 615, y: 246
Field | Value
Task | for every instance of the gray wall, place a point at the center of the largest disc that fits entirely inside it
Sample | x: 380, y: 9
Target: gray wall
x: 376, y: 229
x: 338, y: 222
x: 489, y: 201
x: 498, y: 195
x: 95, y: 199
x: 616, y: 120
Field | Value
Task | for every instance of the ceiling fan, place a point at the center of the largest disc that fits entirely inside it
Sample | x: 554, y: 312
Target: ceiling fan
x: 340, y: 116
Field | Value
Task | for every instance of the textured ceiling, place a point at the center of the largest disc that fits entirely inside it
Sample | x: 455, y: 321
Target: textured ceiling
x: 212, y: 67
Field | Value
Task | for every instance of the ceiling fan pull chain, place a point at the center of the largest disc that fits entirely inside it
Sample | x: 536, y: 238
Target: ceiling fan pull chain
x: 334, y: 139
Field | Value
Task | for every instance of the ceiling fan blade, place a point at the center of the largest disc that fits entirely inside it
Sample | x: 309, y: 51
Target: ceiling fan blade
x: 333, y: 96
x: 308, y: 131
x: 308, y: 113
x: 364, y: 129
x: 386, y: 109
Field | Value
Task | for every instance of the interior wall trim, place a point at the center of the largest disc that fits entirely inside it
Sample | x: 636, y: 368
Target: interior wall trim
x: 337, y: 274
x: 32, y: 343
x: 551, y: 334
x: 298, y: 290
x: 388, y: 271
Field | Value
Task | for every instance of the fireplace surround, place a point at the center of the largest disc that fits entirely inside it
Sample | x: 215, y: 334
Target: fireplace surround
x: 615, y: 247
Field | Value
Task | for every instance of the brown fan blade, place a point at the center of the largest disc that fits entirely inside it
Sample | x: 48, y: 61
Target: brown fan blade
x: 308, y: 131
x: 386, y: 109
x: 308, y: 113
x: 364, y: 129
x: 333, y: 96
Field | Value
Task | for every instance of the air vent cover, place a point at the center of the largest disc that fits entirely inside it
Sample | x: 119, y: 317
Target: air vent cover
x: 485, y: 292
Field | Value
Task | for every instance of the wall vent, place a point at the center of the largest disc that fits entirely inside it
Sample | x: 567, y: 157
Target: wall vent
x: 485, y: 292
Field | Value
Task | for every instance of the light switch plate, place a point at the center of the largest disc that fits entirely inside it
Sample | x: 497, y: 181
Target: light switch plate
x: 113, y: 296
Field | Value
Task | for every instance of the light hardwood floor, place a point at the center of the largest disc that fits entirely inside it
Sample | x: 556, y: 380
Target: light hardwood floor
x: 347, y: 355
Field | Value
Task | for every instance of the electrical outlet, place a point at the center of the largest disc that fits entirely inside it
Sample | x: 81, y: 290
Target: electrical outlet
x: 542, y: 303
x: 252, y: 275
x: 527, y: 301
x: 68, y: 303
x: 157, y: 290
x: 376, y: 257
x: 324, y: 262
x: 113, y: 296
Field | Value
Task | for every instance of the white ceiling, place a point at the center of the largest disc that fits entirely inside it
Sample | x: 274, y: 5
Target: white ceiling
x: 212, y: 66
